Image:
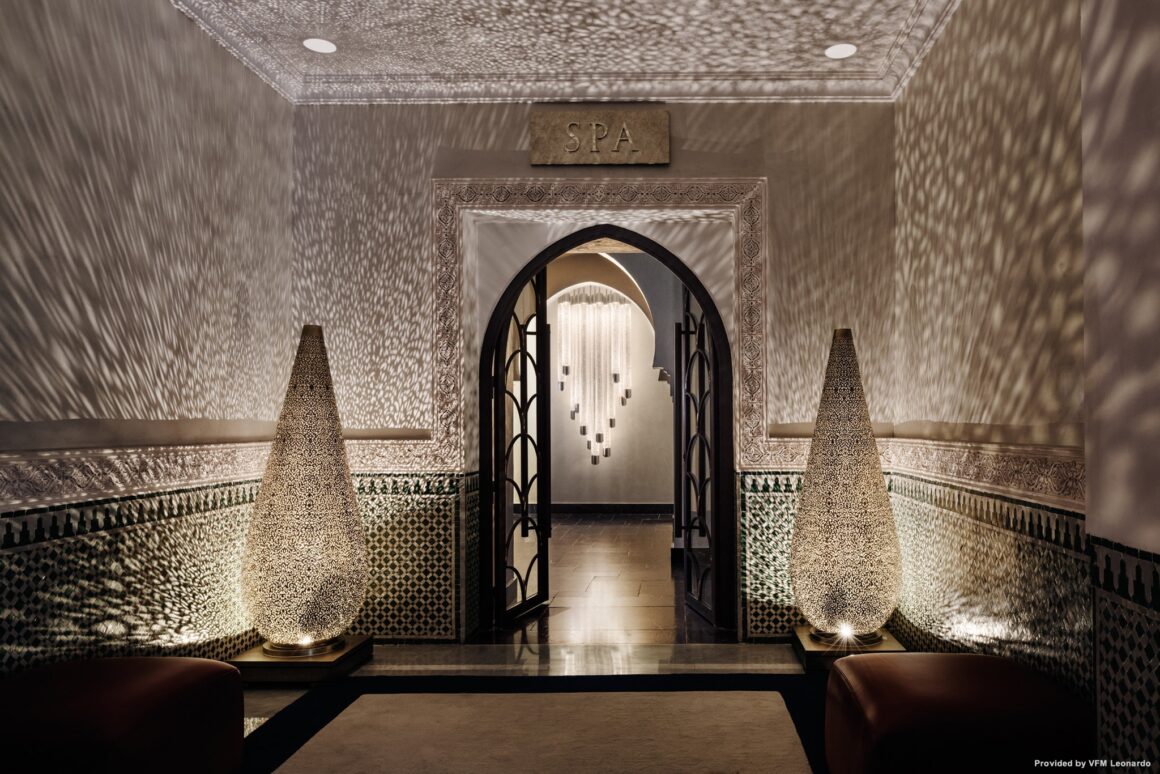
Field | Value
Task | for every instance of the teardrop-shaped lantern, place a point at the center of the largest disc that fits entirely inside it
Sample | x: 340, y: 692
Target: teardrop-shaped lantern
x: 305, y: 564
x: 844, y: 562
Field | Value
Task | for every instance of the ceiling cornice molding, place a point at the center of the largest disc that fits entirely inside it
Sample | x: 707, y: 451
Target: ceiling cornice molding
x: 380, y: 81
x: 937, y: 19
x: 220, y: 24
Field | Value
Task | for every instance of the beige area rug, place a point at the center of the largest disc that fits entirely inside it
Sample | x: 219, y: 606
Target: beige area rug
x: 679, y: 731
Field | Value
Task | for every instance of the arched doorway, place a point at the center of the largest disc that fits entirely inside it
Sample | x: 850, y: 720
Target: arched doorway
x: 515, y: 458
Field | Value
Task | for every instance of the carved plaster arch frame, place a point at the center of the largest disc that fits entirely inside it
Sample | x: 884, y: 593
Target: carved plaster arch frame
x: 743, y: 198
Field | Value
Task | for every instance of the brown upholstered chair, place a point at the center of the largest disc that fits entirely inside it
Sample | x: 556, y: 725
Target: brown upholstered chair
x: 948, y: 712
x: 125, y: 715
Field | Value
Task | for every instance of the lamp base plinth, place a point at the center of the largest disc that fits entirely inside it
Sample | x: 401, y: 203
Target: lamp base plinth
x: 835, y: 640
x: 817, y: 655
x: 301, y: 651
x: 258, y: 665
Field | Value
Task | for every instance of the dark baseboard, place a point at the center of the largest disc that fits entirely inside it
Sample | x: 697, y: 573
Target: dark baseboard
x: 616, y: 509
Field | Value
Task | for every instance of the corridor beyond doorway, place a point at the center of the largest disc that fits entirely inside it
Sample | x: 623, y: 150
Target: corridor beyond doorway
x: 613, y: 582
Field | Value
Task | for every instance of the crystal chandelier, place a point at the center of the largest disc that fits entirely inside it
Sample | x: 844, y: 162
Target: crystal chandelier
x: 592, y: 352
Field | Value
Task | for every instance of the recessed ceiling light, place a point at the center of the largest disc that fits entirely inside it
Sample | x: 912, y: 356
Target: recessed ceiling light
x: 841, y: 51
x: 320, y: 46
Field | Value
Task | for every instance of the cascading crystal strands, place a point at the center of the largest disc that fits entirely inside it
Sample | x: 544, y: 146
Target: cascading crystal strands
x: 592, y: 356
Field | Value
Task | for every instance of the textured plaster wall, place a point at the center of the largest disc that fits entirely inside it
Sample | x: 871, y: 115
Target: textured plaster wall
x: 1121, y: 219
x: 363, y: 220
x: 145, y: 233
x: 989, y: 325
x: 831, y: 252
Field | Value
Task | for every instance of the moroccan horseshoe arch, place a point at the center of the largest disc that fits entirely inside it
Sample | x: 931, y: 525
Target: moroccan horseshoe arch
x: 495, y: 449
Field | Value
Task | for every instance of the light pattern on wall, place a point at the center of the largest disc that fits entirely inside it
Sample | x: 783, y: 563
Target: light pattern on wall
x: 362, y: 261
x: 136, y: 239
x: 993, y: 575
x: 592, y: 360
x: 687, y: 52
x: 989, y: 269
x: 1121, y: 294
x: 147, y: 574
x: 38, y: 479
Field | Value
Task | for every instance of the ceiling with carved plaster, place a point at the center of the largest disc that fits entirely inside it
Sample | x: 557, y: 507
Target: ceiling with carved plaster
x: 517, y: 50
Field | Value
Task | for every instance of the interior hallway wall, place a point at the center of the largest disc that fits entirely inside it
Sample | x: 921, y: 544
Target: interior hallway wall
x: 145, y: 242
x: 146, y: 230
x: 1121, y: 193
x: 989, y: 329
x: 363, y: 218
x: 1121, y: 188
x: 988, y: 339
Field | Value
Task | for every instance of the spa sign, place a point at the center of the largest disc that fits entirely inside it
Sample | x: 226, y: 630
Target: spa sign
x: 600, y: 136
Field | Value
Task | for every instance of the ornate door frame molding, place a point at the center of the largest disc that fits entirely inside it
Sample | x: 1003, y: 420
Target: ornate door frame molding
x: 743, y: 199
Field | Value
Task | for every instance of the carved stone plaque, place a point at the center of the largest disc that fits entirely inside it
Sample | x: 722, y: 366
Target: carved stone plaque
x: 600, y: 136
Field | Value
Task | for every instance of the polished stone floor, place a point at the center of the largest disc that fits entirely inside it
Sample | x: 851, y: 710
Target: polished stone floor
x: 612, y: 581
x: 581, y: 660
x: 617, y: 608
x: 547, y: 660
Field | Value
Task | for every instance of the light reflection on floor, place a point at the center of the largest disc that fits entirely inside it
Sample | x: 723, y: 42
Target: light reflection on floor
x: 612, y: 581
x: 617, y: 609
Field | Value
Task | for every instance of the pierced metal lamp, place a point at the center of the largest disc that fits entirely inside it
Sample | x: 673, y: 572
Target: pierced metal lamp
x: 305, y: 564
x: 845, y: 565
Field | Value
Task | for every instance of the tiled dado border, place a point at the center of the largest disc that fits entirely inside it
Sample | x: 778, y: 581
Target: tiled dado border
x: 24, y: 527
x: 993, y: 574
x: 45, y: 479
x: 143, y: 574
x: 1127, y: 650
x: 1049, y: 475
x: 420, y: 529
x: 159, y: 572
x: 1128, y: 573
x: 767, y: 502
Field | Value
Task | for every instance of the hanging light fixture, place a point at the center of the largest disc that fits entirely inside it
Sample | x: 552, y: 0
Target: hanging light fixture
x: 845, y: 565
x: 592, y: 357
x: 305, y: 564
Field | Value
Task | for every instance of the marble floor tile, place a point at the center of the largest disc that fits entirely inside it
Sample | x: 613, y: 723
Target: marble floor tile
x: 604, y: 652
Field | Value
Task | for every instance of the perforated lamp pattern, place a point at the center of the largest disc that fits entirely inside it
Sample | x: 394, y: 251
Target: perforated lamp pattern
x: 845, y: 565
x: 305, y: 565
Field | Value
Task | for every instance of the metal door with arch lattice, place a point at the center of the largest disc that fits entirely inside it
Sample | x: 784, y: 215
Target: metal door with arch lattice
x: 521, y: 477
x: 694, y: 408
